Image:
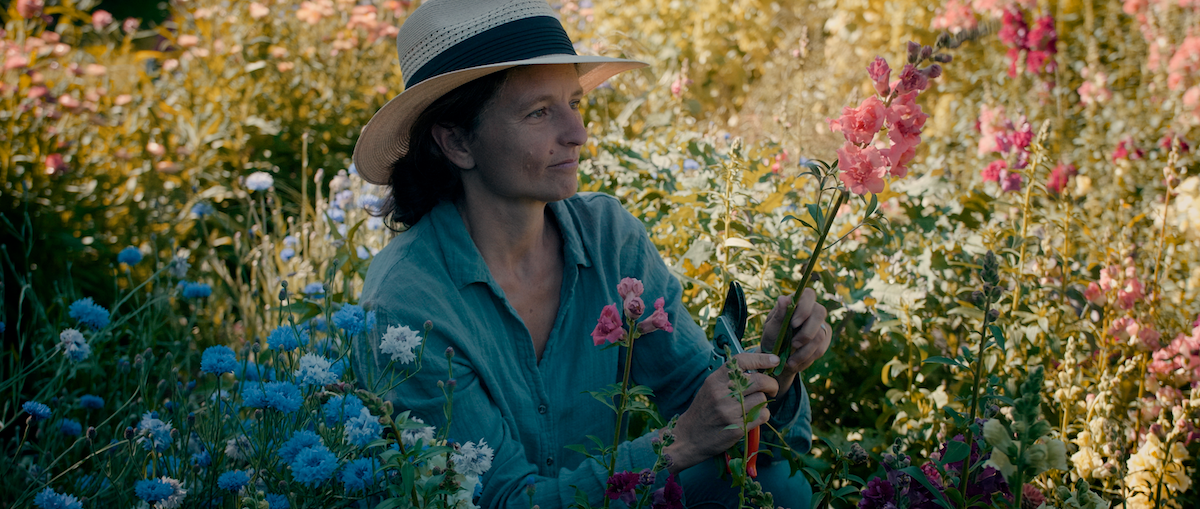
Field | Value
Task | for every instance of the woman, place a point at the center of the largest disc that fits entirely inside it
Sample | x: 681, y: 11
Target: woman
x: 512, y: 266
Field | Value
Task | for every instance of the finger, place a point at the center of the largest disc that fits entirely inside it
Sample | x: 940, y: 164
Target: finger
x: 756, y: 361
x: 763, y: 384
x: 812, y: 351
x: 764, y: 413
x: 773, y: 321
x: 804, y: 307
x: 811, y: 328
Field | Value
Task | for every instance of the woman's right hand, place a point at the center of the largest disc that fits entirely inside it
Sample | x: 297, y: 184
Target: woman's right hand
x: 701, y: 431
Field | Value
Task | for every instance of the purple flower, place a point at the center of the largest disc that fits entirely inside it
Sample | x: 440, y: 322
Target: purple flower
x: 621, y: 486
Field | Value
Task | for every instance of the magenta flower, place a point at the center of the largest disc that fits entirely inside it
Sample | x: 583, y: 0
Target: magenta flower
x: 608, y: 327
x: 880, y: 73
x: 629, y: 287
x: 992, y: 172
x: 657, y: 320
x: 911, y: 80
x: 1060, y: 176
x: 634, y: 307
x: 621, y: 487
x: 670, y: 496
x: 859, y: 125
x: 1010, y: 182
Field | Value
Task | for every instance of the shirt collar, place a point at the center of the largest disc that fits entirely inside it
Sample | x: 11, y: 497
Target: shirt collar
x: 462, y: 257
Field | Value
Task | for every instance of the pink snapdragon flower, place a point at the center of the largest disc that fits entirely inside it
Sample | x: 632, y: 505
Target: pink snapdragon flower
x: 956, y: 16
x: 634, y: 307
x: 608, y: 327
x: 1094, y: 294
x: 1123, y: 150
x: 101, y: 19
x: 992, y: 172
x: 880, y: 73
x: 630, y: 287
x: 1130, y: 293
x: 55, y: 164
x: 1060, y: 176
x: 859, y: 125
x: 991, y: 124
x: 657, y: 320
x: 861, y: 168
x: 622, y: 486
x: 911, y: 80
x: 1185, y: 62
x: 1010, y: 182
x: 30, y: 8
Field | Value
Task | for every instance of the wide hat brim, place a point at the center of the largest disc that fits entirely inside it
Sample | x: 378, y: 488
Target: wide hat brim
x: 384, y: 140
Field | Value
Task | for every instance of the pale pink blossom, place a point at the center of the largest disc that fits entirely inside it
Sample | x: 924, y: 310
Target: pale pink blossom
x: 1185, y: 62
x: 30, y: 8
x: 991, y: 123
x: 122, y: 99
x: 1094, y: 294
x: 956, y: 16
x: 859, y: 125
x: 880, y: 73
x: 94, y: 70
x: 258, y: 11
x: 68, y: 101
x: 37, y: 92
x: 14, y: 60
x: 285, y: 66
x: 861, y: 168
x: 634, y: 307
x: 629, y: 287
x: 55, y: 164
x: 188, y: 40
x: 1060, y: 176
x: 992, y: 172
x: 657, y: 320
x: 1130, y: 293
x: 608, y: 327
x: 156, y: 148
x: 130, y: 25
x: 101, y: 19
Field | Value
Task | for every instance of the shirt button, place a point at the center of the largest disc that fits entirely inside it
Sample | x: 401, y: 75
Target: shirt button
x: 542, y: 409
x: 549, y: 462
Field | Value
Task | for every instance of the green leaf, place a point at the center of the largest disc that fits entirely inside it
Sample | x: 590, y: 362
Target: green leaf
x: 391, y: 503
x: 845, y: 490
x: 872, y: 206
x: 955, y: 451
x: 916, y: 473
x: 815, y: 211
x: 733, y: 426
x: 998, y: 333
x: 937, y: 359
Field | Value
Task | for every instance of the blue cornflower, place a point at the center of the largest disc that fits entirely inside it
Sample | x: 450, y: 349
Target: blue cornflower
x: 360, y: 474
x: 370, y: 321
x: 202, y: 209
x: 253, y: 372
x: 318, y: 324
x: 50, y: 499
x: 218, y: 359
x: 281, y: 396
x: 286, y: 254
x: 691, y: 164
x: 314, y: 466
x: 233, y: 480
x: 287, y: 338
x: 129, y: 256
x: 353, y: 170
x: 363, y: 428
x: 339, y: 408
x: 338, y: 368
x: 314, y: 370
x: 70, y: 427
x: 291, y: 241
x: 89, y: 313
x: 156, y: 434
x: 153, y: 490
x: 74, y: 346
x: 300, y: 441
x: 196, y: 290
x: 314, y: 290
x: 259, y: 181
x: 90, y: 402
x: 350, y: 318
x: 39, y: 411
x: 369, y: 202
x: 92, y: 483
x: 202, y: 459
x: 277, y: 501
x: 362, y: 252
x: 336, y: 214
x: 374, y: 223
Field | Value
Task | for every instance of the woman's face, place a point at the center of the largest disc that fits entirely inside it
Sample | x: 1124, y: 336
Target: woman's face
x: 526, y: 146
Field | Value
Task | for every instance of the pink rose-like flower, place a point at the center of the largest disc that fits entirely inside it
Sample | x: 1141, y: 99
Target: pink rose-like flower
x: 860, y: 124
x: 629, y: 286
x: 657, y: 320
x: 1014, y: 30
x: 992, y: 172
x: 608, y: 327
x: 55, y: 164
x: 130, y: 25
x: 1010, y: 181
x: 880, y: 73
x: 861, y: 168
x: 1185, y: 62
x: 29, y: 9
x: 101, y: 19
x: 956, y: 16
x: 634, y: 307
x: 1094, y: 294
x: 911, y: 80
x: 1060, y: 176
x: 1130, y: 293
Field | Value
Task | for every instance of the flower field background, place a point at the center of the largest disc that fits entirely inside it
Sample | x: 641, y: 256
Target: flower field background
x: 192, y: 179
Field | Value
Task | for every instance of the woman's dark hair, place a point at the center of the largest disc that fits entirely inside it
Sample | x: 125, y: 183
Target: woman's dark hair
x: 424, y: 176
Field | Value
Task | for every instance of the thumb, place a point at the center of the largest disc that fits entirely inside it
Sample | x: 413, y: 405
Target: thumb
x: 756, y: 361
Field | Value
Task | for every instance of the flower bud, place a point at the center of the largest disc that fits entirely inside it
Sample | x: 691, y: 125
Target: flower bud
x: 856, y: 454
x: 933, y: 71
x: 926, y: 52
x: 191, y: 419
x: 123, y: 365
x: 283, y: 293
x: 449, y: 352
x: 993, y: 314
x: 977, y: 297
x: 128, y: 433
x: 943, y: 58
x: 258, y: 414
x: 91, y: 433
x: 428, y: 325
x: 943, y: 40
x: 452, y: 383
x: 914, y: 51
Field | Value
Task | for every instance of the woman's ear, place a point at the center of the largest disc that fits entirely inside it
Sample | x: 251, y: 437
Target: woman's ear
x: 453, y: 142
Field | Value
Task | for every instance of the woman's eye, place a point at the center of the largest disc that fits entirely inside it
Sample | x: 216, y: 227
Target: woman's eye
x: 575, y: 105
x: 540, y: 112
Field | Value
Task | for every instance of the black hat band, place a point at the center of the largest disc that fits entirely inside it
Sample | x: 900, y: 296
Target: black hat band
x: 520, y: 39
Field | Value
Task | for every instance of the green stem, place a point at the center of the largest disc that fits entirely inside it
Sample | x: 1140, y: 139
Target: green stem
x: 612, y: 464
x: 785, y: 330
x: 983, y: 336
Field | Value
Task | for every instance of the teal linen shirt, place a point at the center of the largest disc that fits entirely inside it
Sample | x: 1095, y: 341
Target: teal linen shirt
x: 527, y: 410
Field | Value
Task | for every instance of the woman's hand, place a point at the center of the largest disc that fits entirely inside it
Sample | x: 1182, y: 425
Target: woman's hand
x: 809, y: 341
x: 701, y: 431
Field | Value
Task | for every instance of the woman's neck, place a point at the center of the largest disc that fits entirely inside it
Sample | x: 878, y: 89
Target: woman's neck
x: 514, y: 239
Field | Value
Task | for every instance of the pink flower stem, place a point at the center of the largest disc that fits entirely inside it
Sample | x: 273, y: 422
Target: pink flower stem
x: 782, y: 346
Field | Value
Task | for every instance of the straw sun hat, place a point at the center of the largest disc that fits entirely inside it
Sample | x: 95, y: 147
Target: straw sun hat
x: 446, y: 43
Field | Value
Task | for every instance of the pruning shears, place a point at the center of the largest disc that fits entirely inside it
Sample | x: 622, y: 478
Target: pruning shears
x: 731, y: 325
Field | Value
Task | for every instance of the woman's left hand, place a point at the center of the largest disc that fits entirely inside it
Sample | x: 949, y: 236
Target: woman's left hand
x: 809, y: 341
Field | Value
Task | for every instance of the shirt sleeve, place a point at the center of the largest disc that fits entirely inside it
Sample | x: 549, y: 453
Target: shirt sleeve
x: 476, y: 418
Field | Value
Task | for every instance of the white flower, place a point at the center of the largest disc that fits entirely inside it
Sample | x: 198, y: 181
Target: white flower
x: 315, y: 370
x: 1086, y: 461
x: 399, y: 342
x: 176, y: 498
x: 259, y: 181
x: 73, y: 345
x: 410, y: 437
x: 473, y: 459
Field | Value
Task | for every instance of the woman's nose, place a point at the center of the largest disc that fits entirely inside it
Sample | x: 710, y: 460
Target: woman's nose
x: 573, y: 132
